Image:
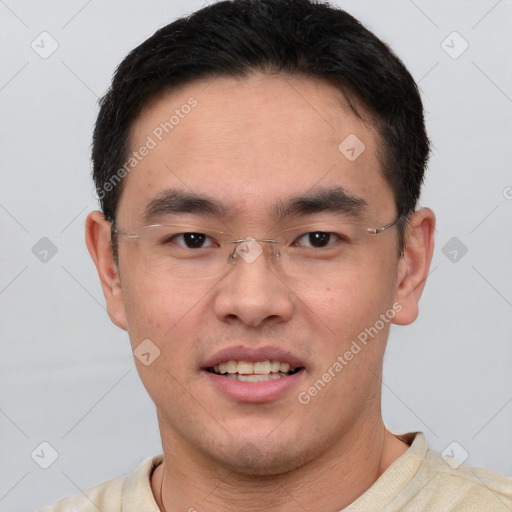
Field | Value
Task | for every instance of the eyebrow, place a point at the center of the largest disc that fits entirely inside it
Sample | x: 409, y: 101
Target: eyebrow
x: 174, y: 201
x: 335, y: 200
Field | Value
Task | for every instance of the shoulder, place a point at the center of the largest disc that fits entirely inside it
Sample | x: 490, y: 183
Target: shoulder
x: 463, y: 487
x: 424, y: 480
x: 110, y: 495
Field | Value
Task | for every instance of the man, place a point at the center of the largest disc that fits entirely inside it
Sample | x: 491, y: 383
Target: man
x: 259, y: 165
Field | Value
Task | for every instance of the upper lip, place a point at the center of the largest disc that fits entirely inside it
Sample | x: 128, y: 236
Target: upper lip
x: 252, y: 354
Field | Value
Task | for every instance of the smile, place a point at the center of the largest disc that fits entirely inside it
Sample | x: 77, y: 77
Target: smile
x: 258, y: 371
x: 258, y: 381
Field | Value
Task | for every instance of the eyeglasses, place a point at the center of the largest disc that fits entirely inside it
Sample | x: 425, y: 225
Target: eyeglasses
x: 191, y: 252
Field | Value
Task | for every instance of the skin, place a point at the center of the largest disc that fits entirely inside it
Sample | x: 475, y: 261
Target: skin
x: 248, y: 143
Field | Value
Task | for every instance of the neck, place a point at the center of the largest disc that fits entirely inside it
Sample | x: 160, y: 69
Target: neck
x: 329, y: 482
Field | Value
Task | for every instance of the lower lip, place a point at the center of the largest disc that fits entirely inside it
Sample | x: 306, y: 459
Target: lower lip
x: 254, y: 392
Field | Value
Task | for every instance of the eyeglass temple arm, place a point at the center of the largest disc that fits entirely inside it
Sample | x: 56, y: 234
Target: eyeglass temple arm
x: 376, y: 231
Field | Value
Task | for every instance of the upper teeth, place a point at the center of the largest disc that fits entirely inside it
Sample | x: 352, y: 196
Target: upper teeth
x: 249, y: 368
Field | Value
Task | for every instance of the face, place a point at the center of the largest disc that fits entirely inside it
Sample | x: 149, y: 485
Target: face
x: 248, y: 145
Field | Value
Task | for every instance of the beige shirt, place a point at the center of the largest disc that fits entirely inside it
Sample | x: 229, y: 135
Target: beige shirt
x: 419, y: 480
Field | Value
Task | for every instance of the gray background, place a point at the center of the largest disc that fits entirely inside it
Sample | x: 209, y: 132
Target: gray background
x: 67, y: 375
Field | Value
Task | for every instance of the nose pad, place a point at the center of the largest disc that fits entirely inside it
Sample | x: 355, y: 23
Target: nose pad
x: 250, y: 249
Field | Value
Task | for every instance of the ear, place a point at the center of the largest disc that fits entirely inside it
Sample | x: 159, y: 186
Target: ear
x: 97, y: 238
x: 414, y: 265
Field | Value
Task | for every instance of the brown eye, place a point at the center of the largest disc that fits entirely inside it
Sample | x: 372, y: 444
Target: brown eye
x: 191, y: 240
x: 317, y: 239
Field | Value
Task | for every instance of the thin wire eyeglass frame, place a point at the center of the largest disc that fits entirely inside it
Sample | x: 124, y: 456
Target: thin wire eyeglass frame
x: 372, y: 231
x: 234, y: 255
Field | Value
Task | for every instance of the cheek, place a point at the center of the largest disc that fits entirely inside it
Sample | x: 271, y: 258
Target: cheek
x: 169, y: 317
x: 345, y: 312
x: 164, y: 312
x: 350, y: 347
x: 350, y: 300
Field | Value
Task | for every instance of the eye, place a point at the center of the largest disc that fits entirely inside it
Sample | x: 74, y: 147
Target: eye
x: 192, y: 240
x: 317, y: 239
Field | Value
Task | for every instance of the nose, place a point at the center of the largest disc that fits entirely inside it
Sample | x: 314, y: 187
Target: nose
x: 253, y: 292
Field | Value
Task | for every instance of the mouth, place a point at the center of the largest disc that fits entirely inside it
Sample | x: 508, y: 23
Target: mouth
x: 257, y: 371
x: 254, y: 374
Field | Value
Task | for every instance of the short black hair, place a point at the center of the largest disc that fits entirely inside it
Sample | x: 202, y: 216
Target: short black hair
x: 297, y: 37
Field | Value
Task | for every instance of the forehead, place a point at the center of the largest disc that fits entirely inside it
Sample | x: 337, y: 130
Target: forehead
x: 252, y: 141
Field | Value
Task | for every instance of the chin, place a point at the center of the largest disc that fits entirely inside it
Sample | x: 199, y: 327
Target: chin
x: 259, y: 458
